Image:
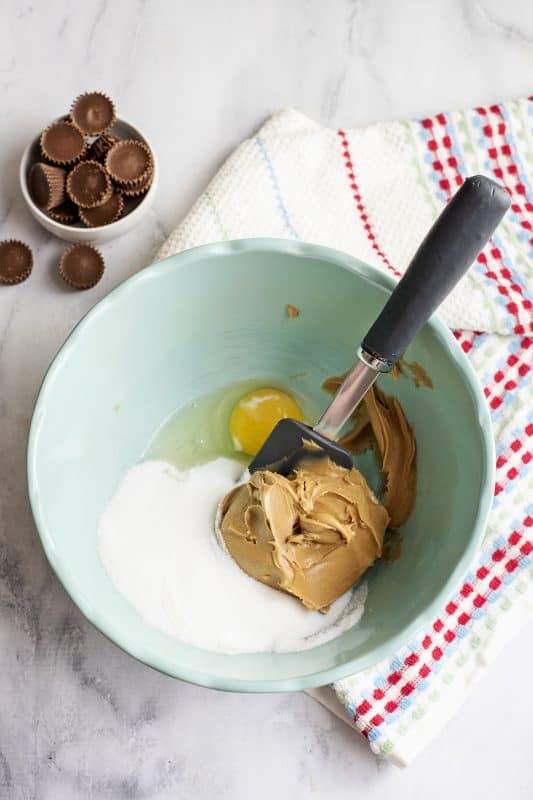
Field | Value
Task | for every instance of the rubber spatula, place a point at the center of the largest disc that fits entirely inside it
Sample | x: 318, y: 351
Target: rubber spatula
x: 452, y: 244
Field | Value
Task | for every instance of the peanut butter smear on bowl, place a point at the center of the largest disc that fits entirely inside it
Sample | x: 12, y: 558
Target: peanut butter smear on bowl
x: 381, y: 423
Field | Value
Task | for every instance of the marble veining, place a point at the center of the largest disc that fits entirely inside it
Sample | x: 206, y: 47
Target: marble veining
x: 79, y: 718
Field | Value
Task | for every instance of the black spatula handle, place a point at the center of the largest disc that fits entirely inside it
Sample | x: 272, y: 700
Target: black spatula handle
x: 452, y: 244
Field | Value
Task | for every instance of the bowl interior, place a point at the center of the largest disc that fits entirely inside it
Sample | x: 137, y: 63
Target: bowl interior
x: 209, y: 317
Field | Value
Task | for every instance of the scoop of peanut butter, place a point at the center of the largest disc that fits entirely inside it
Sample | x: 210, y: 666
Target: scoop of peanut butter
x: 311, y: 534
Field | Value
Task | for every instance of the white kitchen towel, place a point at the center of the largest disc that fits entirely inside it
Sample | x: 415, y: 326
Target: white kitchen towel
x: 374, y: 192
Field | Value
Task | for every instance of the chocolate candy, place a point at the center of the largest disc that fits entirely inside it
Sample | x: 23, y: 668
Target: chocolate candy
x: 62, y: 143
x: 104, y: 214
x: 81, y: 266
x: 93, y: 113
x: 47, y: 185
x: 88, y: 184
x: 100, y: 147
x: 129, y: 162
x: 16, y: 261
x: 66, y: 213
x: 138, y: 188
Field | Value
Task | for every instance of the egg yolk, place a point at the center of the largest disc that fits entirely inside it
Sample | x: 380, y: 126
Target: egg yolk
x: 256, y: 415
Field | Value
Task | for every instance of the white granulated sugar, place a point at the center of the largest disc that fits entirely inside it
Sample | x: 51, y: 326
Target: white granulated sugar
x: 158, y: 544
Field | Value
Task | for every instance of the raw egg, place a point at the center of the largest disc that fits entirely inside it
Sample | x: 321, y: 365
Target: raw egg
x: 255, y: 416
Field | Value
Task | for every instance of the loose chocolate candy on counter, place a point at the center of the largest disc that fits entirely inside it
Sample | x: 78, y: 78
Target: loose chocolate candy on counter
x: 88, y: 184
x: 105, y: 214
x: 81, y: 266
x: 47, y: 185
x: 62, y: 143
x: 93, y: 113
x: 129, y: 162
x: 16, y: 261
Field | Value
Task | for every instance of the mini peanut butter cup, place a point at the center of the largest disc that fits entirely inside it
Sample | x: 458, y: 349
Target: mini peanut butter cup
x: 104, y: 214
x: 47, y: 185
x: 128, y: 162
x: 93, y: 113
x: 88, y: 184
x: 138, y: 188
x: 100, y: 147
x: 81, y: 266
x: 66, y: 213
x: 62, y: 143
x: 16, y: 261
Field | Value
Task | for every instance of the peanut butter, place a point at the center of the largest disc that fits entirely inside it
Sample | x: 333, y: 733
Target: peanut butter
x: 414, y: 371
x: 314, y: 533
x: 380, y: 422
x: 311, y: 534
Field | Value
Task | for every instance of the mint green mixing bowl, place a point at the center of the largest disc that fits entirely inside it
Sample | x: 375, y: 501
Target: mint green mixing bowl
x: 209, y: 317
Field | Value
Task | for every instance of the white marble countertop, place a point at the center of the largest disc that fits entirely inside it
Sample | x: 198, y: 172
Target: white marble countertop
x: 79, y: 718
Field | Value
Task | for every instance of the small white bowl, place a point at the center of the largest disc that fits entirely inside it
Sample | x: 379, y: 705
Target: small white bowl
x: 138, y: 207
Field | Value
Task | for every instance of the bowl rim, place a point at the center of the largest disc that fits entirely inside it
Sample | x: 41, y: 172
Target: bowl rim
x: 167, y: 665
x: 113, y: 227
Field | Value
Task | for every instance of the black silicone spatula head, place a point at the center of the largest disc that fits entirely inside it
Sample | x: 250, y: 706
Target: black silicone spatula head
x: 289, y: 443
x: 452, y: 244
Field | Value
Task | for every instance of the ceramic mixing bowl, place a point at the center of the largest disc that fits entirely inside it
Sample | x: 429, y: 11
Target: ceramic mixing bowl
x: 212, y: 316
x: 135, y: 208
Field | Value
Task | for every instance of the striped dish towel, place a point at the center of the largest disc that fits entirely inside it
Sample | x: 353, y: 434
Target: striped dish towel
x: 374, y: 192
